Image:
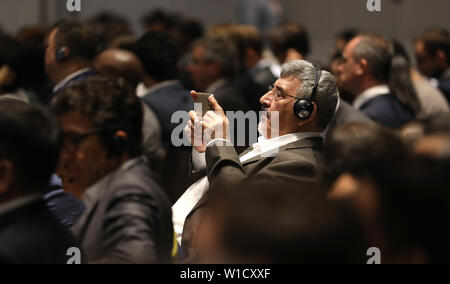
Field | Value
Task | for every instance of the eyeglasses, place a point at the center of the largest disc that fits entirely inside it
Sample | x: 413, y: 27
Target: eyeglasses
x: 278, y: 94
x: 73, y: 141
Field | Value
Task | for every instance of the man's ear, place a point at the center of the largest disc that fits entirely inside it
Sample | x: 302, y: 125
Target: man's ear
x: 311, y: 118
x: 6, y: 176
x: 361, y: 67
x: 441, y: 56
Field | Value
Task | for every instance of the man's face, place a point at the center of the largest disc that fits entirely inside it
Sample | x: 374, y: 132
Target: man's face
x: 426, y: 63
x: 349, y: 70
x: 84, y: 160
x: 278, y: 101
x: 202, y: 71
x: 50, y: 61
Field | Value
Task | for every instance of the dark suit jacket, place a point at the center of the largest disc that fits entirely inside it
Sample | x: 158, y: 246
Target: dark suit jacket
x: 346, y: 114
x: 128, y: 218
x: 165, y: 101
x: 230, y: 97
x: 387, y: 111
x: 295, y: 163
x: 29, y: 233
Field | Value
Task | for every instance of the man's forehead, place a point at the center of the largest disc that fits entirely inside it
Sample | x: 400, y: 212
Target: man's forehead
x: 288, y: 82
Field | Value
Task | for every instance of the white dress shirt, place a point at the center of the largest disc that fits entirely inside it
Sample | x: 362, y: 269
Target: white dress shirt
x: 369, y: 94
x: 264, y: 147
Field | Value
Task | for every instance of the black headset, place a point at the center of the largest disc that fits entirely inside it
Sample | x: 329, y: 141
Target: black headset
x: 115, y: 145
x: 303, y: 108
x: 61, y: 54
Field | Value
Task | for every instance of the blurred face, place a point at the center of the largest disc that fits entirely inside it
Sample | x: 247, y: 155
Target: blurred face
x: 279, y: 102
x: 83, y: 158
x: 50, y: 61
x: 349, y: 70
x: 203, y: 72
x: 426, y: 63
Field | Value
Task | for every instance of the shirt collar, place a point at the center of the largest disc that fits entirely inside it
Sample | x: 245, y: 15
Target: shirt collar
x: 70, y: 77
x: 370, y: 94
x: 268, y: 145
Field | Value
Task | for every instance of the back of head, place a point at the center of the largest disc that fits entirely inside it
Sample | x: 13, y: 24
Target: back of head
x: 158, y: 20
x: 326, y: 95
x: 436, y: 40
x: 12, y: 64
x: 110, y: 103
x: 30, y: 140
x: 120, y: 63
x: 289, y: 35
x: 159, y: 54
x: 109, y: 27
x: 78, y: 38
x: 364, y: 151
x: 264, y: 223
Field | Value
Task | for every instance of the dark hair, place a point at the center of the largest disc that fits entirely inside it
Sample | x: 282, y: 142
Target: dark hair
x: 435, y: 40
x: 363, y: 150
x: 110, y: 103
x: 78, y: 38
x: 159, y: 54
x: 12, y: 54
x: 159, y: 16
x: 290, y: 35
x: 388, y: 67
x: 288, y: 224
x: 347, y: 35
x: 30, y: 139
x: 108, y: 27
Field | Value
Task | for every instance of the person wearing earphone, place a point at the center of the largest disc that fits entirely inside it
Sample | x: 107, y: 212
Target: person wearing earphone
x: 300, y: 106
x: 70, y: 48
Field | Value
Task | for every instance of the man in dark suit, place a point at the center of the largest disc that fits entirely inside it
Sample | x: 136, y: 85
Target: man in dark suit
x: 300, y: 107
x: 70, y: 48
x: 364, y: 72
x: 29, y: 232
x: 432, y: 51
x: 127, y: 217
x: 213, y: 67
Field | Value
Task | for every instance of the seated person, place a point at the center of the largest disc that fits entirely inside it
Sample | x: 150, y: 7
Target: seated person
x: 29, y: 149
x: 127, y: 217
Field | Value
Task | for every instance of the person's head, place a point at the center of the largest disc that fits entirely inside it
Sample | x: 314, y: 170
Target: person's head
x: 70, y: 46
x: 343, y: 38
x: 212, y: 58
x: 109, y: 27
x: 119, y: 63
x: 366, y: 62
x: 158, y: 20
x: 186, y: 30
x: 101, y: 121
x: 302, y: 105
x: 432, y: 51
x: 250, y: 45
x: 289, y: 35
x: 12, y: 64
x: 29, y: 147
x: 159, y: 54
x: 268, y: 224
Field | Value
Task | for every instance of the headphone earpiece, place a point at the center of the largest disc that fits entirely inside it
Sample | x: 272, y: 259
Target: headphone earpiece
x: 304, y: 108
x: 61, y: 54
x: 118, y: 145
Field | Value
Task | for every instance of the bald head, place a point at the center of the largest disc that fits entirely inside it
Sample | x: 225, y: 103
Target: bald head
x: 119, y: 63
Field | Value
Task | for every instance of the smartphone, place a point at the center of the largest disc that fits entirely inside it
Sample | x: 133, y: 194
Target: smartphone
x: 202, y: 98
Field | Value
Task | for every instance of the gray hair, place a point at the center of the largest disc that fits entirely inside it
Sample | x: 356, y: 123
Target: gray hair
x: 222, y: 50
x: 375, y: 49
x: 327, y: 93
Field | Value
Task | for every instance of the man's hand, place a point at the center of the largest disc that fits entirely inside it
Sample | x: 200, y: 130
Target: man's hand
x: 215, y: 123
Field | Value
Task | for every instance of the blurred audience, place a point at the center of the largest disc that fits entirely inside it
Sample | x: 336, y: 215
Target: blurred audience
x: 127, y: 217
x: 432, y: 51
x: 289, y: 41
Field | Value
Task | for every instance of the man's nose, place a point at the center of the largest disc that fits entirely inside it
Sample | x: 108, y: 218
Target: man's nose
x: 266, y: 99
